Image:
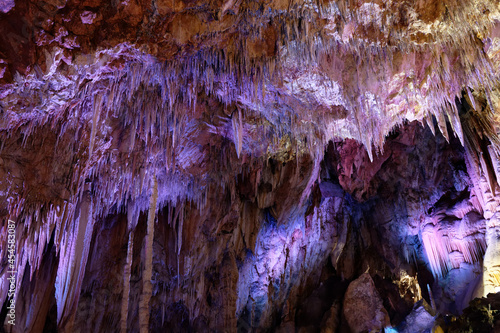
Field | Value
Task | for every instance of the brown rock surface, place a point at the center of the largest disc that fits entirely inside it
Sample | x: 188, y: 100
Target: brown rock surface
x: 363, y: 306
x: 296, y: 144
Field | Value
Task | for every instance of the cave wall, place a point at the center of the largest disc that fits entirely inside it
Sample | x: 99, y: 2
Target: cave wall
x: 252, y: 258
x: 274, y: 165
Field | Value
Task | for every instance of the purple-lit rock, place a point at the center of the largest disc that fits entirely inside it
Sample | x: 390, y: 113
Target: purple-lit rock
x: 305, y: 155
x: 6, y: 5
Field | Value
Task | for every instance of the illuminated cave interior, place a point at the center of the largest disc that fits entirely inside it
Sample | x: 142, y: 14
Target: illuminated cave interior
x: 249, y: 166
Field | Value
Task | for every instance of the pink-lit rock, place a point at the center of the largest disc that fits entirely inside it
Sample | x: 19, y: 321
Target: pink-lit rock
x: 292, y: 146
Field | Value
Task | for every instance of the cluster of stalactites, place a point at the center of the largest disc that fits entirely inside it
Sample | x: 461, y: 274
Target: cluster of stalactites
x: 445, y: 252
x: 155, y: 104
x: 235, y: 73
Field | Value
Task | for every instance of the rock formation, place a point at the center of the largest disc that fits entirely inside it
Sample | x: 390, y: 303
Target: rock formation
x: 249, y: 166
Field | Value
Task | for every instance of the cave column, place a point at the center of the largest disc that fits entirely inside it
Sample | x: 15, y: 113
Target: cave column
x: 489, y: 197
x: 485, y: 177
x: 491, y: 261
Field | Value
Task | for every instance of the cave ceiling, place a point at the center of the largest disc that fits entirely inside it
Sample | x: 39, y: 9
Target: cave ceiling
x: 100, y: 100
x: 164, y: 80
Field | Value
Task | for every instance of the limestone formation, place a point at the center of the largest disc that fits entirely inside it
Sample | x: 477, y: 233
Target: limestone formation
x: 304, y: 154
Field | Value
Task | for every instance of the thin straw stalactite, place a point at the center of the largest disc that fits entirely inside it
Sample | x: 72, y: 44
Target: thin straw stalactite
x: 144, y: 305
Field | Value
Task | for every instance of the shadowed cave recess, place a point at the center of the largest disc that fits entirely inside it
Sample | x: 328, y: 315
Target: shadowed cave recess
x: 249, y: 166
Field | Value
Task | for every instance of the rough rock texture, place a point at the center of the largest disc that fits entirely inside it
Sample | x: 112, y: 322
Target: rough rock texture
x: 420, y: 319
x: 296, y: 145
x: 330, y: 322
x: 363, y: 306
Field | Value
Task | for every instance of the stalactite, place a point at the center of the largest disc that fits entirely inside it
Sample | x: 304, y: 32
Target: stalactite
x: 144, y: 306
x: 495, y: 161
x: 477, y: 130
x: 126, y: 283
x: 313, y: 178
x: 179, y: 232
x: 487, y: 173
x: 95, y: 121
x: 152, y: 91
x: 132, y: 216
x: 238, y: 132
x: 471, y: 99
x: 74, y: 255
x: 439, y: 245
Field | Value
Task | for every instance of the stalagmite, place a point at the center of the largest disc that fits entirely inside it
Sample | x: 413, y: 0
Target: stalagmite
x: 144, y: 306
